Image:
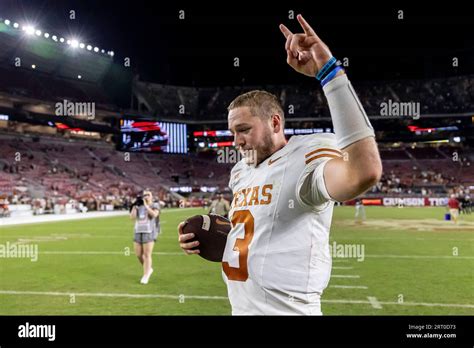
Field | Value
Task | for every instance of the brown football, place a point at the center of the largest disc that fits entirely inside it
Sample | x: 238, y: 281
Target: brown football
x: 211, y: 231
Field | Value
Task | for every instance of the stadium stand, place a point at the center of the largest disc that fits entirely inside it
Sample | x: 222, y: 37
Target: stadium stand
x: 58, y: 168
x: 451, y: 95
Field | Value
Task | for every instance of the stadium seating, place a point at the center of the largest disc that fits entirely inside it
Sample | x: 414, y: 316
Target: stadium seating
x: 57, y: 168
x: 453, y: 95
x: 45, y: 87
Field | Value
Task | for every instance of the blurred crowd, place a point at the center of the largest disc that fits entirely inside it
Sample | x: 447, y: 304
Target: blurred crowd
x: 450, y: 95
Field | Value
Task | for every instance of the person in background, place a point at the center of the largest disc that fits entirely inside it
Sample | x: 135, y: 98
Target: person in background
x: 359, y: 211
x: 220, y: 206
x: 146, y: 215
x: 453, y: 205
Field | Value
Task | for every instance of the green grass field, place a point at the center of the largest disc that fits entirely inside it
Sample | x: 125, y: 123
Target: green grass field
x: 415, y: 263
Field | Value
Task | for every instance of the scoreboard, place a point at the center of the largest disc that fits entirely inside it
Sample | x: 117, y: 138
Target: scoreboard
x: 148, y: 135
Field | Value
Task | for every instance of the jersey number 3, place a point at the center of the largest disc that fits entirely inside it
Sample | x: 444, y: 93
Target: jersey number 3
x: 241, y: 245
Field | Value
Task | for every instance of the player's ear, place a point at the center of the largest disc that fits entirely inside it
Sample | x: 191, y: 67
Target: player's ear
x: 277, y: 123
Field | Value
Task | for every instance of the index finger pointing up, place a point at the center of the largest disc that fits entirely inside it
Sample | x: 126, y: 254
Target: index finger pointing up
x: 306, y: 27
x: 285, y: 31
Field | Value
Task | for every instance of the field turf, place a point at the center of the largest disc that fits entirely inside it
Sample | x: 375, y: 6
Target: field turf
x: 414, y: 263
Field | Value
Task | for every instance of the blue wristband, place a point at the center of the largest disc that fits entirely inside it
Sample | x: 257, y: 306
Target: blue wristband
x: 325, y: 68
x: 331, y: 75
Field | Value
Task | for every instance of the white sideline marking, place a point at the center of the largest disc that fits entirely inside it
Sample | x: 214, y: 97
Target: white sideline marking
x: 348, y: 286
x: 430, y: 304
x: 374, y: 302
x: 402, y: 304
x: 342, y: 267
x: 344, y: 276
x: 11, y: 221
x: 420, y: 257
x: 165, y: 210
x: 405, y: 239
x: 103, y: 253
x: 101, y: 294
x: 92, y: 294
x: 74, y: 236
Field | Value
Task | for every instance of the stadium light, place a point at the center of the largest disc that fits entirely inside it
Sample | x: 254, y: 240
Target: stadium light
x: 33, y: 66
x: 79, y: 77
x: 74, y: 43
x: 29, y: 29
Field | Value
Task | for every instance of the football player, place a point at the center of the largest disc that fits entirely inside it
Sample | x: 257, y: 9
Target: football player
x: 277, y: 259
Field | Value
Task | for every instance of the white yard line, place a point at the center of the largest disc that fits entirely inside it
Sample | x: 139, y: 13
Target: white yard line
x: 348, y: 286
x: 404, y: 239
x: 341, y: 267
x: 344, y: 276
x: 452, y: 305
x: 103, y: 253
x: 420, y: 257
x: 101, y: 294
x: 198, y: 297
x: 429, y: 304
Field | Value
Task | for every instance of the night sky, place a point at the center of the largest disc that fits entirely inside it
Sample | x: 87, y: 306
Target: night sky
x: 200, y: 49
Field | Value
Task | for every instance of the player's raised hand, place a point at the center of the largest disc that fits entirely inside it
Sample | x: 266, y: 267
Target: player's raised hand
x: 306, y: 53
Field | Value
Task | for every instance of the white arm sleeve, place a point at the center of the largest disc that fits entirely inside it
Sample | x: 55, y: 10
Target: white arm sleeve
x: 348, y: 115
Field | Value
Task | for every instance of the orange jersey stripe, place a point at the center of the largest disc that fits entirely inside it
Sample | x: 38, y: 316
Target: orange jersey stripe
x: 322, y: 149
x: 319, y: 156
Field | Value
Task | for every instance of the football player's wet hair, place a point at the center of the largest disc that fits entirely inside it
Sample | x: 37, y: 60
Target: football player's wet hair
x: 261, y: 103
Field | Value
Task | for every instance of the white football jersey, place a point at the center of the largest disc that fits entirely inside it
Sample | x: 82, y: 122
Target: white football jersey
x: 281, y: 216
